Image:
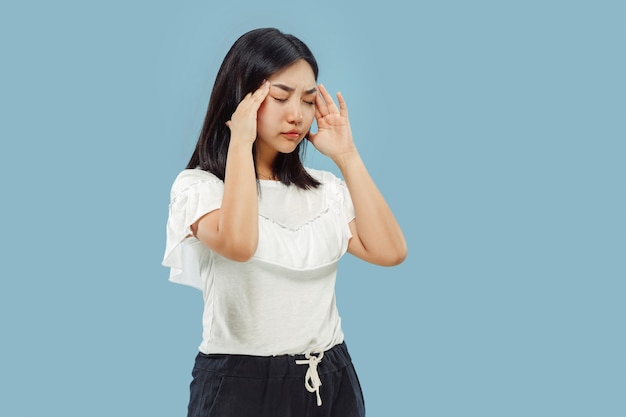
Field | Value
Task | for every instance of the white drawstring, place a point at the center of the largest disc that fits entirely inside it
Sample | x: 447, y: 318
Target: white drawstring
x: 312, y: 381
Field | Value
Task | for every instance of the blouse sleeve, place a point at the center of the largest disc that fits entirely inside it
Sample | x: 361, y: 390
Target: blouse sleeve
x: 346, y: 201
x: 339, y: 195
x: 194, y: 193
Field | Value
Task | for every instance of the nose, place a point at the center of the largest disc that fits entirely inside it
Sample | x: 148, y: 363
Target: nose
x: 294, y: 113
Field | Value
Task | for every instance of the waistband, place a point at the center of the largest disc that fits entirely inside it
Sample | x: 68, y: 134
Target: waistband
x: 281, y: 366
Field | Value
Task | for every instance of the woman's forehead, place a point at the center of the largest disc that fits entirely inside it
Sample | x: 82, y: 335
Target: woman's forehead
x: 298, y: 75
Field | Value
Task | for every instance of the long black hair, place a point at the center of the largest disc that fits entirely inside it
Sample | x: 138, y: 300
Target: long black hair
x: 254, y: 57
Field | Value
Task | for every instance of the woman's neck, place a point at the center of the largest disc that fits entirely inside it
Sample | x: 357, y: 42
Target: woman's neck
x: 264, y: 165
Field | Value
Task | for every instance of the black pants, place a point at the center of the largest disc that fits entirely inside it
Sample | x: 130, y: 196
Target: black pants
x: 274, y: 386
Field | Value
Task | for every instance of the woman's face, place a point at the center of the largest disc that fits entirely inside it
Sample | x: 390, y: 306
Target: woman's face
x: 287, y: 113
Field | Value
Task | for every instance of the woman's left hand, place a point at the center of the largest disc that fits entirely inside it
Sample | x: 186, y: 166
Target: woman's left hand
x: 333, y: 137
x: 376, y: 235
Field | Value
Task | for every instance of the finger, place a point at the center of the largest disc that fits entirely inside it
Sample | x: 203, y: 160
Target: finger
x: 343, y: 107
x: 332, y: 108
x: 319, y: 104
x: 253, y: 100
x: 259, y: 95
x: 263, y: 89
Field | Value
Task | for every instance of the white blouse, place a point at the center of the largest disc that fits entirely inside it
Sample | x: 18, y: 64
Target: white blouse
x: 282, y: 301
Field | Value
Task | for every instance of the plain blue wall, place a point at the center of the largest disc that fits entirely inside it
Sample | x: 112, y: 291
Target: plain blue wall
x: 495, y: 129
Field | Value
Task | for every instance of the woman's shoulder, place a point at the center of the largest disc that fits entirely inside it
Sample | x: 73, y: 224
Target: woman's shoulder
x: 196, y: 174
x: 333, y: 186
x: 190, y: 177
x: 324, y: 177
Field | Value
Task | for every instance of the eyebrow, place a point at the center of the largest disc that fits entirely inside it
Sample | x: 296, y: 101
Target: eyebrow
x: 291, y: 89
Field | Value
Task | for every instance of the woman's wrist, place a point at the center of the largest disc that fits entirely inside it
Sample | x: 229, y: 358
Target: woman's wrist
x: 344, y: 159
x: 240, y: 145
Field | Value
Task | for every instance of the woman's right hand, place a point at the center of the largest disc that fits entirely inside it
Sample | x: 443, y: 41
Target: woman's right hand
x: 242, y: 123
x: 233, y: 229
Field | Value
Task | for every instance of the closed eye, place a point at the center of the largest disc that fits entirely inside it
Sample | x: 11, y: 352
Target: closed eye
x: 309, y: 98
x: 280, y: 100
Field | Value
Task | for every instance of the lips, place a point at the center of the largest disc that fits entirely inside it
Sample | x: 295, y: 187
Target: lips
x: 292, y: 134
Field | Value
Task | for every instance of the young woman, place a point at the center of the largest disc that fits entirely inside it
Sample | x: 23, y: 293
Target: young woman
x: 260, y: 235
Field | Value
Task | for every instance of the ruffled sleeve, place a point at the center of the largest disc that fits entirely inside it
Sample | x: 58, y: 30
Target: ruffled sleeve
x: 194, y: 193
x: 347, y: 207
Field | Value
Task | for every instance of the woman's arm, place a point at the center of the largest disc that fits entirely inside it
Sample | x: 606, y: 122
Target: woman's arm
x: 233, y: 230
x: 376, y: 235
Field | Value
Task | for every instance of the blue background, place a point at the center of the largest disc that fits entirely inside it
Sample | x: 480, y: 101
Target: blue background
x: 495, y: 129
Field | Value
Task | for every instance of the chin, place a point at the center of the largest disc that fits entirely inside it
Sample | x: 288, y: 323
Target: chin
x: 288, y: 147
